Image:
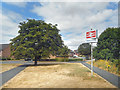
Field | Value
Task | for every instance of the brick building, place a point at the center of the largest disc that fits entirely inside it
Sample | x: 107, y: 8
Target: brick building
x: 5, y: 50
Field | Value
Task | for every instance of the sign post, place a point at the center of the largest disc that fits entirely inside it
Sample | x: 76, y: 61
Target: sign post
x: 92, y: 35
x: 91, y: 60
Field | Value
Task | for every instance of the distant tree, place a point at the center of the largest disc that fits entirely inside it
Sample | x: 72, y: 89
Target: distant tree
x: 84, y: 49
x: 36, y: 39
x: 108, y: 45
x: 64, y: 51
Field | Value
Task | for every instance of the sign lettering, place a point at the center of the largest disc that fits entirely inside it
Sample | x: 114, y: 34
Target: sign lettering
x: 91, y: 34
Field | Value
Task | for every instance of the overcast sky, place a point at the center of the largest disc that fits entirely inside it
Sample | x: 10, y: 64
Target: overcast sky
x: 74, y: 19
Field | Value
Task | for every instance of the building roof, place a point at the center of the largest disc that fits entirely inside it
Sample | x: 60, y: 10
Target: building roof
x: 3, y: 46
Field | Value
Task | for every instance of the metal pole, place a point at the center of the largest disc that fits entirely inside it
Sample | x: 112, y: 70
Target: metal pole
x: 91, y: 60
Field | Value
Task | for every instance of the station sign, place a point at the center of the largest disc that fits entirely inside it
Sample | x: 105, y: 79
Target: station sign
x: 91, y: 34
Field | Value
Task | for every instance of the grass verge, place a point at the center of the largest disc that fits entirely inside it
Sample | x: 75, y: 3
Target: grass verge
x: 6, y: 67
x: 71, y: 75
x: 106, y: 65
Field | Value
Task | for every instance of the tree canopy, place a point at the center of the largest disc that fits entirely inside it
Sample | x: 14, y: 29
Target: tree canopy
x: 36, y: 39
x: 84, y: 49
x: 108, y: 44
x: 64, y: 51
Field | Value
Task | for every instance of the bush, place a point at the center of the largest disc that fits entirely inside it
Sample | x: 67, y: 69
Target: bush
x: 76, y: 59
x: 112, y: 65
x: 61, y: 59
x: 3, y: 58
x: 115, y: 61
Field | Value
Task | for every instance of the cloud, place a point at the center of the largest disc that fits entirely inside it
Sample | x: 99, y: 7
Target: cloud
x: 9, y: 24
x: 16, y: 0
x: 19, y: 4
x: 60, y: 0
x: 77, y: 18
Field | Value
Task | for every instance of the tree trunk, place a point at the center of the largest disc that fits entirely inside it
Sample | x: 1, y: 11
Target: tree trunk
x: 35, y: 61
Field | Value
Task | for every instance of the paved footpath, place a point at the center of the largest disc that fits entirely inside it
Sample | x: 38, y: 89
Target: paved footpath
x: 112, y: 78
x: 7, y: 75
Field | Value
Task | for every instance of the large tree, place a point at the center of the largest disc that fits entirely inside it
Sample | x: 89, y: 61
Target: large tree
x: 108, y: 44
x: 36, y: 39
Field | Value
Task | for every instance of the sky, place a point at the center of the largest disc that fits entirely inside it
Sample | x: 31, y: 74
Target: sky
x: 74, y: 19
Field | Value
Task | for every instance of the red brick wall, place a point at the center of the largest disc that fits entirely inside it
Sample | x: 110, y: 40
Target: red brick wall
x: 6, y: 52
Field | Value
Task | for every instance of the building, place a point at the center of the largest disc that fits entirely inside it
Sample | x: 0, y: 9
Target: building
x: 5, y: 50
x: 76, y: 52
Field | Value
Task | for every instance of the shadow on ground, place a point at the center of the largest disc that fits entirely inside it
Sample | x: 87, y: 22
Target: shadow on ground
x: 41, y: 64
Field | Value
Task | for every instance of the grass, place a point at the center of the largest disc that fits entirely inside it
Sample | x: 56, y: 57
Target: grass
x: 106, y: 65
x: 71, y: 75
x: 78, y: 71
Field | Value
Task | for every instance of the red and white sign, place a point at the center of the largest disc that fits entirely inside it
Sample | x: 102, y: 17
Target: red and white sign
x: 91, y: 34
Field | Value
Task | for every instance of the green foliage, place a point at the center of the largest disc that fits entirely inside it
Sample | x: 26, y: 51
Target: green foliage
x: 112, y: 65
x: 76, y: 59
x: 84, y: 49
x: 105, y: 54
x: 116, y: 62
x: 63, y: 51
x: 5, y: 58
x: 59, y: 59
x: 63, y: 54
x: 36, y: 39
x: 108, y: 44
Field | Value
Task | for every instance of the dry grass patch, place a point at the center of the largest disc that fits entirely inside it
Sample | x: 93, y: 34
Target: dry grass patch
x: 57, y: 76
x: 6, y: 67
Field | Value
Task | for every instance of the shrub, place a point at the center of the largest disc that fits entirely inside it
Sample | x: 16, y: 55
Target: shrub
x: 116, y: 62
x: 76, y: 59
x: 61, y: 59
x: 109, y: 65
x: 4, y: 58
